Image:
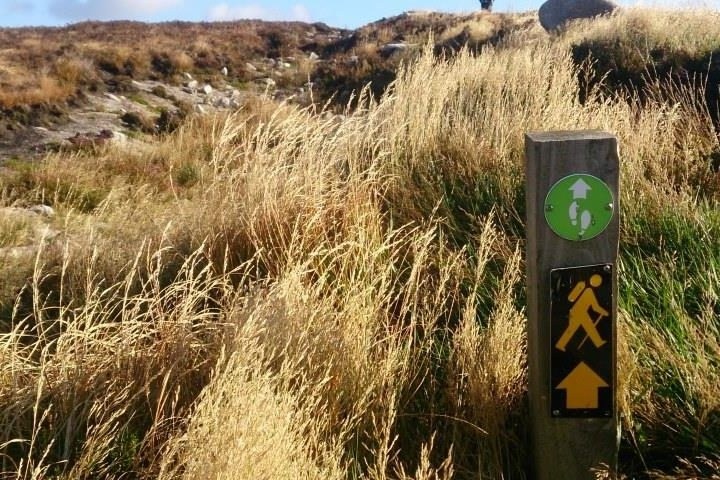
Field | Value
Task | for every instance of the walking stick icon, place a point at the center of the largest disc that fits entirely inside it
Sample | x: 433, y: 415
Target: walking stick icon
x: 595, y: 323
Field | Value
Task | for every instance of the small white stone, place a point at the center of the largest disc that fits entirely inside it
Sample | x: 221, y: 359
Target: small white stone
x: 207, y: 89
x: 222, y: 102
x: 119, y: 138
x: 44, y: 210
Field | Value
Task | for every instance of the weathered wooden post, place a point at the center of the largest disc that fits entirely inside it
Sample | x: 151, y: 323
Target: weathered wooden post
x: 572, y: 245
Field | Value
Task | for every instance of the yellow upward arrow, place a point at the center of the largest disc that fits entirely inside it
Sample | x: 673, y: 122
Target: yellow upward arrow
x: 581, y: 387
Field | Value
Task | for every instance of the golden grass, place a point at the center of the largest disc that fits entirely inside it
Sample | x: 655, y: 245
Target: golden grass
x: 695, y: 32
x: 34, y: 90
x: 331, y: 298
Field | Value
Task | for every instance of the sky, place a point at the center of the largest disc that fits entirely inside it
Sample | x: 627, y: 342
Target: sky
x: 337, y: 13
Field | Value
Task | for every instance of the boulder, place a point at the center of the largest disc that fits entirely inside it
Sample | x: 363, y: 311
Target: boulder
x: 207, y: 89
x: 554, y: 13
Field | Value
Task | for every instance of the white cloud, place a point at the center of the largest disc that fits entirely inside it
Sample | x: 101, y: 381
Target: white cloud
x: 224, y: 12
x: 108, y: 9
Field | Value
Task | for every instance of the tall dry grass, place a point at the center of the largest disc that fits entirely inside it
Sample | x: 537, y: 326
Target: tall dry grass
x: 329, y: 298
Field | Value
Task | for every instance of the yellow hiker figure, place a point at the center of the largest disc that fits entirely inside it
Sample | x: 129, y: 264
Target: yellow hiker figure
x: 584, y: 299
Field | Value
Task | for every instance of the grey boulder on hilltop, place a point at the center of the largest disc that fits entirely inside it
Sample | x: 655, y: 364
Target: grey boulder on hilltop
x: 554, y: 13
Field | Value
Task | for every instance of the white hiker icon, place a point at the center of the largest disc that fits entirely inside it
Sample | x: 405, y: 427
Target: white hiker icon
x: 580, y: 190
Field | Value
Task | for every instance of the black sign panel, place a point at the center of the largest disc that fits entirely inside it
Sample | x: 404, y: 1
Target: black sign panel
x: 581, y: 333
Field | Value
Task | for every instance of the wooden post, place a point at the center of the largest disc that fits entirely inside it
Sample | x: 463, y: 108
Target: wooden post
x: 572, y: 245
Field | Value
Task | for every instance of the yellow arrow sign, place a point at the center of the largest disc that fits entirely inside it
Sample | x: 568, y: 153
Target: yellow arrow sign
x: 581, y: 387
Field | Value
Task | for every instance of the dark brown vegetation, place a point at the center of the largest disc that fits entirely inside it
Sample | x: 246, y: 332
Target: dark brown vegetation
x: 47, y: 67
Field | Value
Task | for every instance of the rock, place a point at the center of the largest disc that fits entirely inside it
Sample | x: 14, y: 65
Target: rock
x: 285, y: 65
x: 222, y: 102
x: 44, y: 210
x: 314, y: 56
x: 235, y: 93
x: 354, y: 59
x: 188, y: 76
x: 112, y: 97
x: 224, y: 71
x: 207, y: 89
x: 270, y: 82
x: 193, y: 84
x: 250, y: 67
x: 119, y: 138
x: 554, y: 13
x: 200, y: 109
x: 390, y: 48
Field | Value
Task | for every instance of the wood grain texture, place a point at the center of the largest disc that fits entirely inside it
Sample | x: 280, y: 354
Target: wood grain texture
x: 565, y: 448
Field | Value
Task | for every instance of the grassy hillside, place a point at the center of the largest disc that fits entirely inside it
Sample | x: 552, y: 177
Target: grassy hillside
x: 280, y: 292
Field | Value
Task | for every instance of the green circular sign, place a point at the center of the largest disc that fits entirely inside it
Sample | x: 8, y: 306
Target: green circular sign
x: 579, y: 207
